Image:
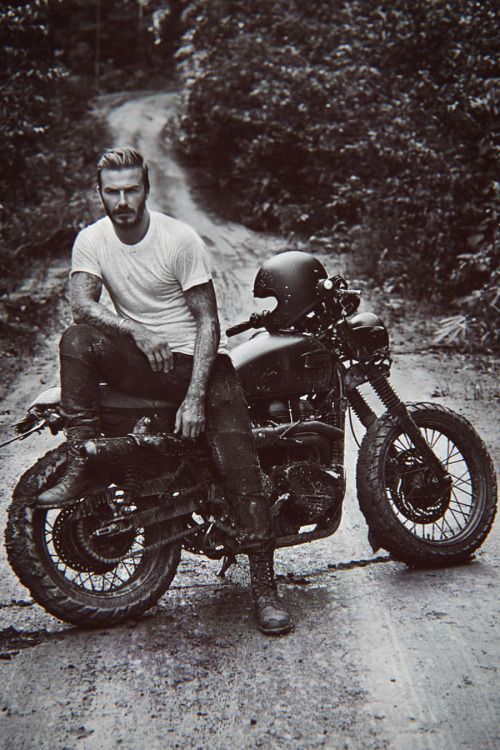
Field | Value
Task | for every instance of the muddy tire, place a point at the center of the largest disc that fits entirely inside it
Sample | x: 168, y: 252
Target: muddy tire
x: 417, y: 524
x: 61, y: 579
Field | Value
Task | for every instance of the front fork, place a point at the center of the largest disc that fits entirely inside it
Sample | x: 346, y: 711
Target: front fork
x: 398, y: 410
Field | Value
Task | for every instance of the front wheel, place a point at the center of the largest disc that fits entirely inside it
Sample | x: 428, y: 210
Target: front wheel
x: 69, y: 570
x: 412, y: 515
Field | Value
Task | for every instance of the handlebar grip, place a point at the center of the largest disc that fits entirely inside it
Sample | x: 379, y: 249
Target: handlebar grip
x: 239, y: 328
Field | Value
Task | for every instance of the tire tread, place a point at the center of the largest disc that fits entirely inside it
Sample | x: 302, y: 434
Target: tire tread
x: 24, y: 558
x: 385, y: 529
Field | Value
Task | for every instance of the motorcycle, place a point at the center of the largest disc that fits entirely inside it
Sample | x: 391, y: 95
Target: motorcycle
x: 425, y: 481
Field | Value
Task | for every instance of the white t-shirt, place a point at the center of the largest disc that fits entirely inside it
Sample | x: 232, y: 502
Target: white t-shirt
x: 147, y: 281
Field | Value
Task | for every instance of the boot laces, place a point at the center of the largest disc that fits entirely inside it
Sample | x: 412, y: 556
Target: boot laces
x: 262, y: 574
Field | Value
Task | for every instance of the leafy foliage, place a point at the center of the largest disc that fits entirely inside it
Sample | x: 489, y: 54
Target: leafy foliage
x: 370, y: 124
x: 117, y: 42
x: 56, y: 54
x: 45, y: 129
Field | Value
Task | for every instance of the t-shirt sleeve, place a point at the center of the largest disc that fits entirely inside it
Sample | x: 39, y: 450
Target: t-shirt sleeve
x: 192, y: 266
x: 84, y: 256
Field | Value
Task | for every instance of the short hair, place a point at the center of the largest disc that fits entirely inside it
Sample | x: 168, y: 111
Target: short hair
x: 121, y: 158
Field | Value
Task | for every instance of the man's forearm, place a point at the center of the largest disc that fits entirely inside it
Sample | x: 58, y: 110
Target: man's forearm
x: 95, y: 314
x: 205, y: 351
x: 86, y: 308
x: 203, y: 306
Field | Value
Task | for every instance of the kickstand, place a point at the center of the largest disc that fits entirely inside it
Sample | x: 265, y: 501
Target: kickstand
x: 227, y: 561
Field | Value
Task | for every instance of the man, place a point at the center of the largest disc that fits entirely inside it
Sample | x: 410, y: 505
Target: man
x: 161, y: 341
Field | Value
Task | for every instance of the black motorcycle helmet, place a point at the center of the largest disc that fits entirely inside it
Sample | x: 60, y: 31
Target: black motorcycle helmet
x: 292, y: 278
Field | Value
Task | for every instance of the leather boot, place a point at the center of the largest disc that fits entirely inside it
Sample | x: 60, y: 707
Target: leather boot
x: 77, y: 479
x: 272, y: 617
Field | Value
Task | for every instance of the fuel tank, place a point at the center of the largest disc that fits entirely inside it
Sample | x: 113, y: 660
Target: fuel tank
x: 282, y: 364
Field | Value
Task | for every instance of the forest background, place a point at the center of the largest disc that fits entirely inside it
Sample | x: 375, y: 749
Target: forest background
x: 364, y: 127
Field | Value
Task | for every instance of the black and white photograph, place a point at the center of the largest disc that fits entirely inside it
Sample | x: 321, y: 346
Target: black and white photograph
x: 249, y: 392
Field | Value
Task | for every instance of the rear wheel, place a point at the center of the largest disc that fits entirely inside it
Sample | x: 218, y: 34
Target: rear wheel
x: 409, y: 513
x: 76, y: 574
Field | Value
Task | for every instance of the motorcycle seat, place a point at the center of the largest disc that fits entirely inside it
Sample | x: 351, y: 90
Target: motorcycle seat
x: 109, y: 398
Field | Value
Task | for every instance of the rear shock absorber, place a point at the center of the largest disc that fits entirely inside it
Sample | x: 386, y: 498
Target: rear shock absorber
x: 133, y: 482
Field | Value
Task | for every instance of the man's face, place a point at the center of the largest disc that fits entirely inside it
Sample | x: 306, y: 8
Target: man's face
x: 123, y: 195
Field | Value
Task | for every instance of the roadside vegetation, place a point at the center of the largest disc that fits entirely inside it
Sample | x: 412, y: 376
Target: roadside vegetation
x: 357, y: 125
x: 46, y: 143
x: 57, y: 56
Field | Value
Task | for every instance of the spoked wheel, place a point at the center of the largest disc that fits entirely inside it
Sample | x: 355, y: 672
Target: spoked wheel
x: 410, y: 512
x: 73, y: 569
x: 82, y: 557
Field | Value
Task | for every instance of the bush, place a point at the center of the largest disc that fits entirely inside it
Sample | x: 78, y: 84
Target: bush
x: 369, y: 124
x: 49, y: 138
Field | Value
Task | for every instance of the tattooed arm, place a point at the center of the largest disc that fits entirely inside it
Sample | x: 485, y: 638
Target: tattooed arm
x: 190, y: 419
x: 85, y: 292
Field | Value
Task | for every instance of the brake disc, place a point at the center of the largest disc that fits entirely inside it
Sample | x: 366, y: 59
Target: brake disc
x: 413, y: 489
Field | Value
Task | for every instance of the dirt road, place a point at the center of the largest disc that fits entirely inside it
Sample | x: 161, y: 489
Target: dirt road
x: 381, y: 657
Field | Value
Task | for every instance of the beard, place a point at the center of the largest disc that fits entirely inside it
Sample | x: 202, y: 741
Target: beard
x: 126, y: 217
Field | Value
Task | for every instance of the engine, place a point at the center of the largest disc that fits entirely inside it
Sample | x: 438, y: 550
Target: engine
x: 281, y: 411
x: 304, y: 494
x: 302, y: 490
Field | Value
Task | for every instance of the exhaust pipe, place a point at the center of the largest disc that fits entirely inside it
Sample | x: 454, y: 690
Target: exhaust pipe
x: 120, y: 447
x: 296, y: 430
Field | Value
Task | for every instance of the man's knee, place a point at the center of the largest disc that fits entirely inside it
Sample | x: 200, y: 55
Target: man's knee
x: 78, y: 339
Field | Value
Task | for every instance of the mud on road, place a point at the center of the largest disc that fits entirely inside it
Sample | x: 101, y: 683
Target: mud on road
x: 381, y: 656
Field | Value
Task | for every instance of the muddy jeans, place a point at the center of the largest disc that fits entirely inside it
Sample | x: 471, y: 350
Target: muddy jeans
x: 89, y: 356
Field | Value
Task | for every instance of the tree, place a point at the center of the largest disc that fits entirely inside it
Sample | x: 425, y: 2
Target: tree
x: 45, y: 137
x: 366, y: 123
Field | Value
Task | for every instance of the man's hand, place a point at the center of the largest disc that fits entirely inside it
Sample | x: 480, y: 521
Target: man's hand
x: 190, y: 418
x: 155, y: 348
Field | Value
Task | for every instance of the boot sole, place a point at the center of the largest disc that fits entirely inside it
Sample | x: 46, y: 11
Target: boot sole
x: 59, y: 505
x: 91, y: 490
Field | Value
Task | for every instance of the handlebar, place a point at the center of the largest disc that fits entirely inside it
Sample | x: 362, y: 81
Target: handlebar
x: 238, y: 328
x: 334, y: 286
x: 335, y: 289
x: 338, y: 286
x: 256, y: 320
